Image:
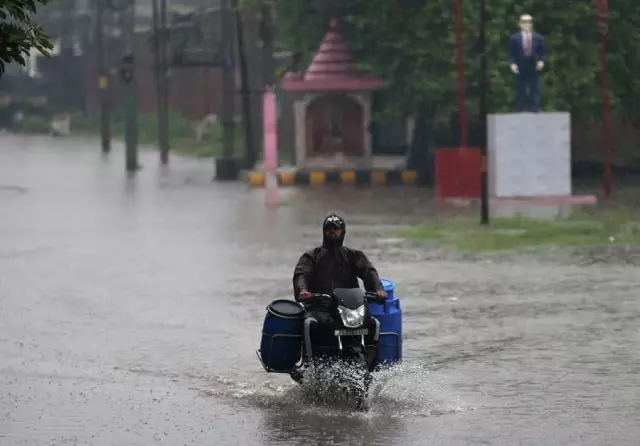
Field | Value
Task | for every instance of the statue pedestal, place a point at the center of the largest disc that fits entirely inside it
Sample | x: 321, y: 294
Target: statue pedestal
x: 529, y: 154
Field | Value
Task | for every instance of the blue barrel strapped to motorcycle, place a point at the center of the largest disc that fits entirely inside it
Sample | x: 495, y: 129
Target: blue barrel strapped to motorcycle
x: 281, y: 348
x: 281, y: 345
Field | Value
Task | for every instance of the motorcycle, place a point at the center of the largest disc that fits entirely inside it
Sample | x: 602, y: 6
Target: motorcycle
x: 334, y: 350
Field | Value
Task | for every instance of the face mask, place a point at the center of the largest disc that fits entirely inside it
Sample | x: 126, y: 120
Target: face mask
x: 333, y: 231
x: 333, y: 240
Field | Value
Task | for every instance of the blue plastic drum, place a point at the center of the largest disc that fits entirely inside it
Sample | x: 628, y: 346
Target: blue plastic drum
x: 281, y: 345
x: 389, y: 314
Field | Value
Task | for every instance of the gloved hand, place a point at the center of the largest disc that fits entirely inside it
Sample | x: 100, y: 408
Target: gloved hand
x: 382, y: 295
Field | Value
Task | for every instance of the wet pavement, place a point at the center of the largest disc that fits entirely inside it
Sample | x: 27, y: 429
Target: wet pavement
x: 131, y: 308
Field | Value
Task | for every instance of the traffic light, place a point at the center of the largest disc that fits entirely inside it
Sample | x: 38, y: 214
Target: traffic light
x: 126, y: 70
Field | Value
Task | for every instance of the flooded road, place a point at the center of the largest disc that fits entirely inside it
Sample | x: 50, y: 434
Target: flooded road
x: 131, y: 308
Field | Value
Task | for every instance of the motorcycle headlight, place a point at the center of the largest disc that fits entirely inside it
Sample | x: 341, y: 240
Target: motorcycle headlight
x: 352, y: 318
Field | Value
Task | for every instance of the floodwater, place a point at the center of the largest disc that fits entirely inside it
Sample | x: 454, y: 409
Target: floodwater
x: 131, y: 308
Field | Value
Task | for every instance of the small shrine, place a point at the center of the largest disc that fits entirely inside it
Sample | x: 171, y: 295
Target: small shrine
x: 331, y: 107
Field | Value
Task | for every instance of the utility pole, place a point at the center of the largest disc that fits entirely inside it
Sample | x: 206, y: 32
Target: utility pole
x: 164, y: 128
x: 602, y: 8
x: 250, y: 153
x: 67, y: 97
x: 228, y: 81
x: 484, y: 205
x: 228, y: 166
x: 462, y: 115
x: 162, y: 89
x: 103, y: 79
x: 266, y: 35
x: 127, y: 73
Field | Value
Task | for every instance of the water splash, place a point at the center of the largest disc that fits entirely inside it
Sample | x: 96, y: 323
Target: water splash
x: 413, y: 389
x: 401, y: 391
x: 331, y: 382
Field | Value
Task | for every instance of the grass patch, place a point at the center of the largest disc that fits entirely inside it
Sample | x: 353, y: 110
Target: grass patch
x: 182, y: 135
x: 595, y: 227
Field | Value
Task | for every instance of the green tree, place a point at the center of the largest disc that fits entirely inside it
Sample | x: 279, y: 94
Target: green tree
x: 18, y: 32
x: 418, y: 53
x: 410, y: 43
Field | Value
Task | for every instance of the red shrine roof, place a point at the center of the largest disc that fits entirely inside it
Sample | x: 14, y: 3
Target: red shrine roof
x: 332, y: 68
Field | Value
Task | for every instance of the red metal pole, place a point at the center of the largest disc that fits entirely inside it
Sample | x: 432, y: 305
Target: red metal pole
x: 606, y: 121
x: 462, y: 115
x: 603, y: 16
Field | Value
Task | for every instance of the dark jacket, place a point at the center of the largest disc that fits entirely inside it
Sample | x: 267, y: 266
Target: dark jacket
x: 516, y: 51
x: 323, y: 269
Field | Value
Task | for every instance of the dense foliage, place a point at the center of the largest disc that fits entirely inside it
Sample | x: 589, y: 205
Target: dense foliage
x: 411, y: 44
x: 18, y: 33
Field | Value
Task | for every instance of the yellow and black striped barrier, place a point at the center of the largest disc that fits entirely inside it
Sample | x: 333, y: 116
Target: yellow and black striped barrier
x: 343, y: 177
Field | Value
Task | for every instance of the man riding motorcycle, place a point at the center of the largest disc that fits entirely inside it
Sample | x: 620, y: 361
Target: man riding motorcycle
x: 331, y: 266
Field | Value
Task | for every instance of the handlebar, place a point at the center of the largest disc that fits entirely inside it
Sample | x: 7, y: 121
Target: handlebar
x: 316, y: 295
x: 367, y: 295
x: 374, y: 297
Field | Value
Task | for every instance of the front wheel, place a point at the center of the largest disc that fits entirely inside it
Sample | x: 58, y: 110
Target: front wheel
x: 358, y: 382
x: 362, y: 398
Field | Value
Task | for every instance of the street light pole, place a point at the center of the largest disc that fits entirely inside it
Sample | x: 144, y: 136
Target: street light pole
x: 484, y: 183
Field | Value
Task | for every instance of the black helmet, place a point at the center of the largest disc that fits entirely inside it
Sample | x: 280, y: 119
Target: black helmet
x: 333, y: 221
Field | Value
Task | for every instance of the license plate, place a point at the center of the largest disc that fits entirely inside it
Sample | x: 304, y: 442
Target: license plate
x: 359, y: 332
